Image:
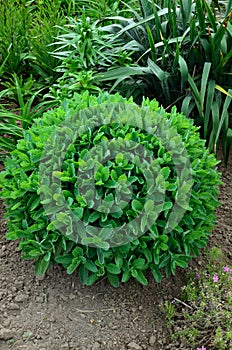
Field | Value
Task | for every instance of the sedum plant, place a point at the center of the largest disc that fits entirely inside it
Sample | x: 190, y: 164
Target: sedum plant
x: 108, y: 188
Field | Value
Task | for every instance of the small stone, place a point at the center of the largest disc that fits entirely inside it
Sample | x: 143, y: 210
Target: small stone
x: 72, y: 296
x: 19, y: 284
x: 114, y: 327
x: 13, y: 306
x: 20, y: 298
x: 140, y: 307
x: 6, y: 322
x: 134, y: 346
x: 27, y: 335
x: 51, y: 319
x: 6, y: 334
x: 96, y: 346
x: 152, y: 340
x: 63, y: 297
x: 39, y: 299
x: 103, y: 323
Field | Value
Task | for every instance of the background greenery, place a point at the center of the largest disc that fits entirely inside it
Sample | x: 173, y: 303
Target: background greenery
x: 179, y: 52
x: 182, y: 55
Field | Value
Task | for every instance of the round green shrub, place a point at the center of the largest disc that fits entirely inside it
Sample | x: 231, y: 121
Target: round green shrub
x: 61, y: 198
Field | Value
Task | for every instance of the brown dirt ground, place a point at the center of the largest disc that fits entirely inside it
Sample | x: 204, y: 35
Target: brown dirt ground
x: 58, y: 313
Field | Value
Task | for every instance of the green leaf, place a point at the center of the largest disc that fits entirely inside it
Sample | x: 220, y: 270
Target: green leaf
x: 47, y: 257
x: 77, y: 252
x: 163, y: 246
x: 126, y: 276
x: 94, y: 216
x: 149, y: 206
x: 90, y: 266
x: 183, y: 71
x: 122, y: 178
x: 96, y: 242
x: 73, y: 266
x: 196, y: 95
x: 65, y: 260
x: 159, y: 73
x: 147, y: 254
x: 164, y: 260
x: 181, y: 262
x: 113, y: 269
x: 100, y: 255
x: 151, y: 42
x: 34, y: 253
x: 209, y: 102
x: 12, y: 236
x: 163, y: 238
x: 106, y: 233
x: 63, y: 217
x: 167, y: 205
x: 139, y: 264
x: 42, y: 265
x: 105, y: 172
x: 114, y: 175
x: 119, y: 158
x: 166, y: 172
x: 200, y: 15
x: 204, y: 81
x: 91, y: 279
x: 78, y: 212
x: 224, y: 115
x: 119, y: 261
x: 113, y: 279
x: 83, y: 274
x: 139, y: 276
x: 17, y: 205
x: 136, y: 205
x: 35, y: 203
x: 156, y: 273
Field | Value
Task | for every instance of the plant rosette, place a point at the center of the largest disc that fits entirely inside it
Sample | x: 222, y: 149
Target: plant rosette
x: 110, y: 188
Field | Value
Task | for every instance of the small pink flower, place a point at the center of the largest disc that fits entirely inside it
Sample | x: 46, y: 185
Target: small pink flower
x: 226, y: 269
x: 198, y: 275
x: 202, y: 348
x: 215, y: 278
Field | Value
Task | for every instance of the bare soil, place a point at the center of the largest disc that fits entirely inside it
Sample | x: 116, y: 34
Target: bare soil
x: 58, y: 313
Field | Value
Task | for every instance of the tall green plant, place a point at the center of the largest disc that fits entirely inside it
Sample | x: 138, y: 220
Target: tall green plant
x: 26, y: 29
x: 97, y: 10
x: 83, y: 50
x: 170, y: 46
x: 10, y: 131
x: 47, y: 17
x: 14, y: 120
x: 15, y: 23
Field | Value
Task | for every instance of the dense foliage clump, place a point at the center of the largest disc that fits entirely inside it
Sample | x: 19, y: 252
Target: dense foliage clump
x: 109, y: 188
